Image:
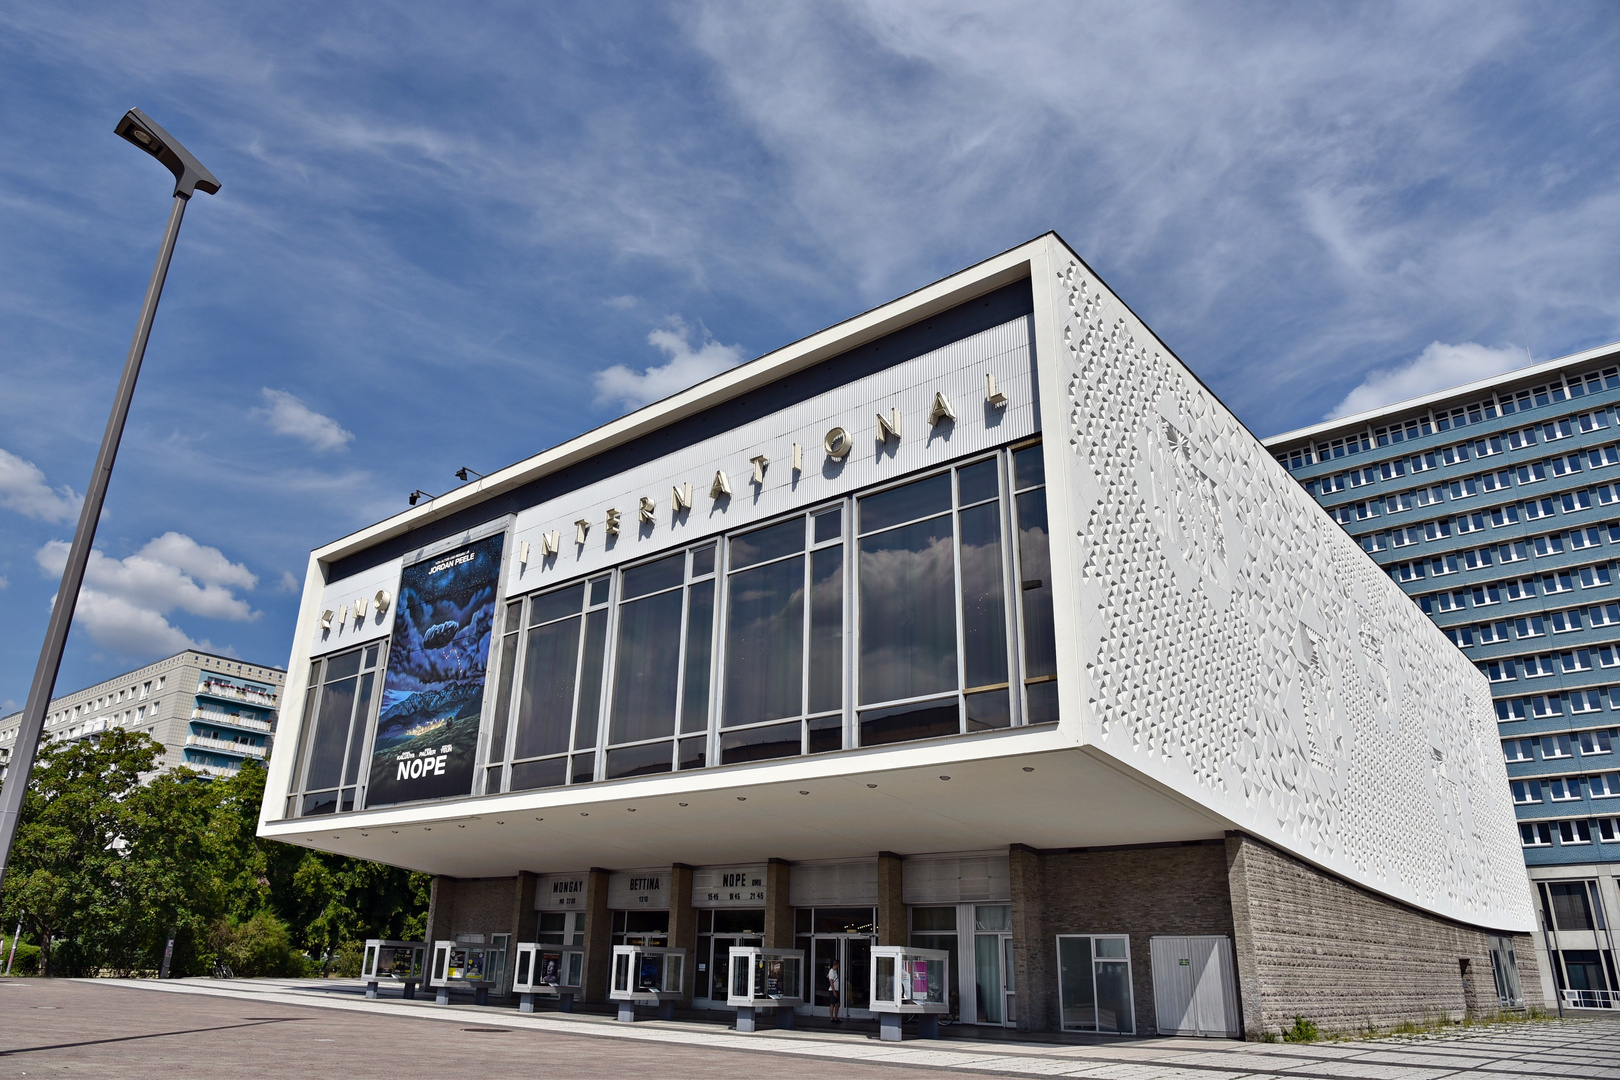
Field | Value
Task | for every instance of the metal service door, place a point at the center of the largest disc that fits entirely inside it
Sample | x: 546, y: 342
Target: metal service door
x: 1195, y: 986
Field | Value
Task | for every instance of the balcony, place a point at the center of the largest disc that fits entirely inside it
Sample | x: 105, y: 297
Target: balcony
x: 231, y: 692
x: 246, y: 723
x: 218, y: 771
x: 225, y: 745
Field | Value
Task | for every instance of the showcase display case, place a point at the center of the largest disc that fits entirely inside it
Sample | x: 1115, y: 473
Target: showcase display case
x: 396, y: 961
x: 468, y: 963
x: 765, y: 979
x: 910, y: 982
x: 647, y: 975
x: 547, y: 971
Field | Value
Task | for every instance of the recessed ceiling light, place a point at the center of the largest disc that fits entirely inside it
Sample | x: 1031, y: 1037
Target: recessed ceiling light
x: 583, y: 814
x: 394, y: 831
x: 461, y: 826
x: 871, y: 785
x: 427, y: 828
x: 500, y: 822
x: 804, y: 793
x: 944, y: 778
x: 539, y: 819
x: 742, y: 798
x: 365, y: 834
x: 1029, y: 768
x: 684, y: 804
x: 631, y: 809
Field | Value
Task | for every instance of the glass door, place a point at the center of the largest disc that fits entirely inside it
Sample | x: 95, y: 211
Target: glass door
x: 1094, y: 983
x: 992, y: 966
x: 842, y: 937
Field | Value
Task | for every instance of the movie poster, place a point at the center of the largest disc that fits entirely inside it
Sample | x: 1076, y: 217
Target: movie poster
x: 433, y: 694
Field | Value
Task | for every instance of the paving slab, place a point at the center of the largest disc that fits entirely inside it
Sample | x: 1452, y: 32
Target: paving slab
x: 263, y: 1028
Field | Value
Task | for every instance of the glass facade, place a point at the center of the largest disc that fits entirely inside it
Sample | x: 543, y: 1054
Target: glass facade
x: 917, y: 610
x: 1500, y: 516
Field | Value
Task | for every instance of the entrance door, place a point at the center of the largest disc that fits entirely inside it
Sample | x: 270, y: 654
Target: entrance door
x: 992, y: 963
x: 853, y: 955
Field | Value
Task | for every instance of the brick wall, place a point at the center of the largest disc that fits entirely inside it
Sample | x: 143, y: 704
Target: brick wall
x: 1140, y: 891
x: 1313, y: 945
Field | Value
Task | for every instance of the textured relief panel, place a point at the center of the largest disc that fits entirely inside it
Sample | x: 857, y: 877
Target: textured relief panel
x: 1240, y: 648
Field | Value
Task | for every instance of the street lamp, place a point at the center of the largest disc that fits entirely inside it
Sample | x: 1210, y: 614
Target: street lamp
x: 189, y: 177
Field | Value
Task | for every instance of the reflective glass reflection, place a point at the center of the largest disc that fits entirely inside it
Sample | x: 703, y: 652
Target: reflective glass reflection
x: 547, y: 702
x: 332, y: 729
x: 827, y: 629
x: 1040, y: 646
x: 771, y: 542
x: 646, y: 667
x: 1029, y: 468
x: 699, y: 648
x: 765, y: 642
x: 906, y: 503
x: 908, y: 618
x: 984, y: 607
x: 590, y: 680
x: 555, y: 605
x: 976, y: 483
x: 663, y: 574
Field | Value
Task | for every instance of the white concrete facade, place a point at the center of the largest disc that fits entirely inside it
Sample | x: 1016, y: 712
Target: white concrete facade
x: 1228, y: 659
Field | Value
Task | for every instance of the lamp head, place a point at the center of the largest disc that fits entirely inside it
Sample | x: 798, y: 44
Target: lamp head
x: 461, y: 473
x: 140, y: 130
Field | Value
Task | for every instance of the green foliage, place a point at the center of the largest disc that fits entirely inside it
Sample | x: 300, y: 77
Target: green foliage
x: 258, y: 947
x: 1303, y: 1031
x: 106, y: 868
x: 349, y: 957
x: 26, y: 960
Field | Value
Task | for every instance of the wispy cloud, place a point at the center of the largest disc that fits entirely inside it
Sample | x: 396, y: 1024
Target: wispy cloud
x: 1436, y: 368
x: 125, y: 603
x: 23, y: 488
x: 290, y: 584
x: 688, y: 363
x: 287, y: 415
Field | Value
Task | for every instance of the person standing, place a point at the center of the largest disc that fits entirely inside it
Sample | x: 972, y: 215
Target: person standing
x: 834, y: 986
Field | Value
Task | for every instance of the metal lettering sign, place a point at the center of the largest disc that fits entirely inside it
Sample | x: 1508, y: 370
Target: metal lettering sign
x: 729, y: 886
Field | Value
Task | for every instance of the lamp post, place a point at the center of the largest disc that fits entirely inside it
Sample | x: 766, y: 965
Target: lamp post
x: 189, y: 177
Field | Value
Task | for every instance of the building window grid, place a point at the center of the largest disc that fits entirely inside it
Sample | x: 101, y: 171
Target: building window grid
x: 513, y: 642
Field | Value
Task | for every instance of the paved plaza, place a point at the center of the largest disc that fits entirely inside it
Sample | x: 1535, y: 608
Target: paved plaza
x: 268, y: 1028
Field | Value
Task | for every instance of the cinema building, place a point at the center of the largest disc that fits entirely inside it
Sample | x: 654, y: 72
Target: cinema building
x: 975, y: 622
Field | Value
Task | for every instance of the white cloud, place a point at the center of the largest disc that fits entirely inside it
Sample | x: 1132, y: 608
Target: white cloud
x: 289, y: 416
x: 289, y: 583
x: 23, y: 488
x: 124, y: 603
x: 1438, y: 367
x: 8, y: 705
x: 4, y: 582
x: 618, y: 385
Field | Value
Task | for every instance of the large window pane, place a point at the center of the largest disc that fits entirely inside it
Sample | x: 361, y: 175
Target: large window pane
x: 357, y: 729
x: 827, y: 630
x: 1114, y: 997
x: 555, y: 605
x: 640, y: 760
x: 699, y: 650
x: 332, y: 727
x: 503, y: 688
x: 908, y: 618
x: 547, y: 702
x: 590, y: 680
x: 663, y: 574
x: 1040, y: 648
x: 771, y: 542
x: 906, y: 503
x: 551, y: 772
x: 984, y: 604
x: 647, y: 668
x: 759, y: 744
x: 901, y: 723
x: 765, y: 642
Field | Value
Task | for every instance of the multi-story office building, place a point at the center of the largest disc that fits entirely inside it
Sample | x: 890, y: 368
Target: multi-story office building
x: 974, y: 622
x: 211, y: 713
x: 1496, y: 506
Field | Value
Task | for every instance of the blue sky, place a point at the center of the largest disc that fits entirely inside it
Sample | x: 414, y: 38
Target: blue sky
x: 455, y: 235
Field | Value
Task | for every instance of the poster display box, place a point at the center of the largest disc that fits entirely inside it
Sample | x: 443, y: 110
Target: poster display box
x: 762, y: 978
x: 647, y: 975
x: 909, y: 982
x: 396, y: 961
x: 549, y: 971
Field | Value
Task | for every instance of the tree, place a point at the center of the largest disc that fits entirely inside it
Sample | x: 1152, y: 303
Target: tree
x: 67, y: 866
x: 105, y: 868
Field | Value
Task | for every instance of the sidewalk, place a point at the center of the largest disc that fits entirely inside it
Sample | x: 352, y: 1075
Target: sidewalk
x: 241, y: 1028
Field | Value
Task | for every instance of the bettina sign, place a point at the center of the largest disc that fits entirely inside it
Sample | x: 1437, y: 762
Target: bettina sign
x: 433, y: 694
